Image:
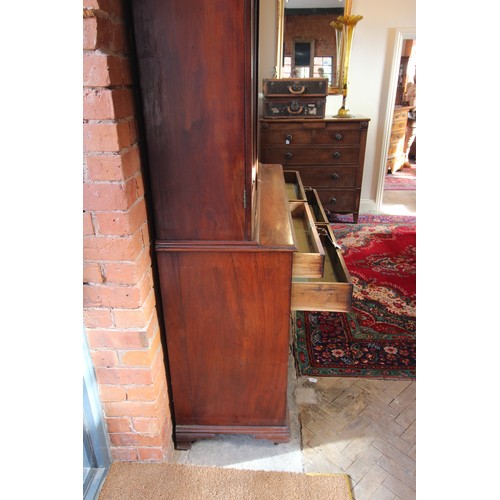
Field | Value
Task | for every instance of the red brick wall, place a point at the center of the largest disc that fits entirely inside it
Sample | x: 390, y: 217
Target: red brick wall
x: 313, y: 27
x: 119, y: 301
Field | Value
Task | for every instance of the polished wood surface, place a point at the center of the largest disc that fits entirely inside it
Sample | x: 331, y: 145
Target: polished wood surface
x: 227, y: 312
x: 329, y: 154
x: 196, y: 64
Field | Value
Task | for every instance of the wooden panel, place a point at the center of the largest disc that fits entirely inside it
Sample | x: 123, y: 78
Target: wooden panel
x: 328, y: 175
x: 289, y: 155
x: 338, y: 200
x: 227, y: 318
x: 199, y: 114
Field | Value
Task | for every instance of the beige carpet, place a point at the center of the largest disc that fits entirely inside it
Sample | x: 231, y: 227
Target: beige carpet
x: 131, y: 481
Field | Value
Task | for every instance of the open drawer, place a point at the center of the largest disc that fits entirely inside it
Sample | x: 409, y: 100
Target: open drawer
x: 317, y: 210
x: 294, y: 187
x: 309, y: 259
x: 331, y: 292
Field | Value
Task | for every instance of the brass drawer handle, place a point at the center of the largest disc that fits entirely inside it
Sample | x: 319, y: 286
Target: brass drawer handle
x: 332, y: 200
x: 336, y: 155
x: 288, y: 139
x: 335, y: 176
x: 338, y: 137
x: 288, y: 156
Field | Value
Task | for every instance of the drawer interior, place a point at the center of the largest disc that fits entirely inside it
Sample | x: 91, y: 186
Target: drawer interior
x: 293, y: 185
x: 309, y: 259
x: 317, y: 209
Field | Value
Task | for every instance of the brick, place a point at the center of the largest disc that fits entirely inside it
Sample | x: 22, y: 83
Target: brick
x: 141, y: 393
x: 120, y: 424
x: 142, y: 357
x: 102, y: 196
x: 113, y: 393
x: 114, y: 375
x: 111, y: 7
x: 146, y: 425
x: 132, y: 318
x: 109, y: 136
x: 111, y: 296
x: 109, y: 248
x: 133, y: 439
x: 121, y: 223
x: 131, y: 409
x: 89, y: 33
x: 140, y: 186
x: 97, y: 318
x: 117, y: 339
x: 124, y: 454
x: 88, y: 228
x: 129, y: 273
x: 104, y: 358
x: 100, y: 70
x: 92, y: 273
x: 151, y: 454
x: 107, y: 104
x: 114, y: 166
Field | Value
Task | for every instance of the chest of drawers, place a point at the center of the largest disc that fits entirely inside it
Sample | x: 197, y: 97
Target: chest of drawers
x: 396, y: 153
x: 328, y: 153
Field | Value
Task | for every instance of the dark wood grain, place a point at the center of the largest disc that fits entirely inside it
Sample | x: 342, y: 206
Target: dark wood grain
x: 198, y: 98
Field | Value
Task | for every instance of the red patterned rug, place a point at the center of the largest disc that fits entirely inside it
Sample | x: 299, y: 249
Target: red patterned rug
x: 377, y: 338
x: 405, y: 179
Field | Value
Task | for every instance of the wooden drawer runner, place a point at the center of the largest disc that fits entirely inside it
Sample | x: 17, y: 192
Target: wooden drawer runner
x: 328, y: 176
x: 333, y: 291
x: 298, y: 155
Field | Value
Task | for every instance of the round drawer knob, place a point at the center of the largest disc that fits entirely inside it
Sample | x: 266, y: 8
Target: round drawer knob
x: 338, y: 137
x: 335, y: 176
x: 332, y: 200
x: 288, y: 137
x: 336, y: 155
x: 288, y: 156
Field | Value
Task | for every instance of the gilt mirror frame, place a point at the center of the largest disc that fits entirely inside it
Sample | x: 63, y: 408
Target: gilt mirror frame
x: 280, y: 34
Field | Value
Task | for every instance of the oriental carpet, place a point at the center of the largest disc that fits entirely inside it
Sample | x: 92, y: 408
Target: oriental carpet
x: 377, y: 338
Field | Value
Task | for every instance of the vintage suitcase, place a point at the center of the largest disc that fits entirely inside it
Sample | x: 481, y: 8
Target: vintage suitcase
x: 282, y: 87
x: 298, y: 107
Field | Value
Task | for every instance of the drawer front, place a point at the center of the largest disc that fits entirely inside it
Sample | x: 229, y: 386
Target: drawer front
x: 398, y: 128
x: 333, y: 291
x: 400, y: 114
x: 338, y: 135
x: 297, y: 156
x: 335, y: 200
x: 328, y: 176
x: 286, y: 136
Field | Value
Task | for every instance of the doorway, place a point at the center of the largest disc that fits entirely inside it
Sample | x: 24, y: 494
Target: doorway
x: 396, y: 192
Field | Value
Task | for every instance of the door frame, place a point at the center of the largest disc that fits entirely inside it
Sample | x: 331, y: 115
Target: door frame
x: 399, y: 37
x: 95, y: 442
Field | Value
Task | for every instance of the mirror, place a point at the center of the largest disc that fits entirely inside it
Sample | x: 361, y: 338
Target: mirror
x: 307, y: 43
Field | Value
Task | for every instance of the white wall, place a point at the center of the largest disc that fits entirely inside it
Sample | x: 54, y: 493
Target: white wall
x: 369, y: 74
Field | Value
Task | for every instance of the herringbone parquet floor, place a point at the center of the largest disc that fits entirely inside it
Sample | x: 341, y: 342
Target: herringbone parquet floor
x: 364, y: 428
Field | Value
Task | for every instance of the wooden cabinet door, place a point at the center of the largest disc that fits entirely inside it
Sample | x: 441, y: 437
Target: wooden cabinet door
x: 195, y: 61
